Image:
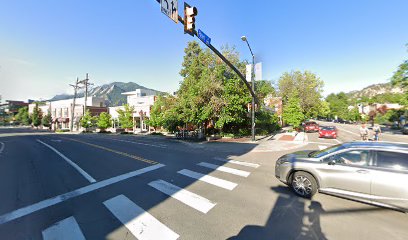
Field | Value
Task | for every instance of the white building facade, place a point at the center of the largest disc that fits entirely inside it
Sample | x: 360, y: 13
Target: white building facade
x: 61, y: 111
x: 142, y: 101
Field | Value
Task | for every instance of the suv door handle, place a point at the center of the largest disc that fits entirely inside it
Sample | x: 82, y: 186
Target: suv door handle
x: 362, y: 171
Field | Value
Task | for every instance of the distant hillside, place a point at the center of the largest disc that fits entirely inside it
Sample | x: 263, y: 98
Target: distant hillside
x: 374, y: 90
x: 112, y: 93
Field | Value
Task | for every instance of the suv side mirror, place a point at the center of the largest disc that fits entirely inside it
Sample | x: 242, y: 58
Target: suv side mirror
x: 332, y: 162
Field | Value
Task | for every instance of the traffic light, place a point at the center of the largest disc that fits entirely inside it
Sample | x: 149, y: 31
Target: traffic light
x: 189, y: 19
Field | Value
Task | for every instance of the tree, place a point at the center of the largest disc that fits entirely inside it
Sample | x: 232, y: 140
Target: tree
x: 46, y: 120
x: 307, y: 85
x: 23, y: 116
x: 126, y: 117
x: 211, y: 94
x: 164, y: 113
x: 87, y: 121
x: 354, y: 114
x: 292, y: 111
x: 338, y: 105
x: 324, y: 109
x: 400, y: 77
x: 36, y: 116
x: 104, y: 121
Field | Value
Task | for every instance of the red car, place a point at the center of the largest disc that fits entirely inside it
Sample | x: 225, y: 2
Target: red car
x: 328, y: 132
x: 311, y: 127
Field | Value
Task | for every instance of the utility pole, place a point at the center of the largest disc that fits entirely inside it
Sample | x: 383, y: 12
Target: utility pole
x: 76, y: 87
x: 86, y: 84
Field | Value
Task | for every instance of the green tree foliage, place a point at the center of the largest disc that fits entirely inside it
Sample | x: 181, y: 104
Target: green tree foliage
x: 400, y: 77
x: 210, y: 94
x: 324, y: 109
x: 87, y: 121
x: 307, y: 85
x: 104, y: 121
x: 36, y: 116
x: 266, y: 122
x: 354, y: 114
x: 23, y: 117
x: 126, y: 116
x: 264, y: 88
x: 292, y: 111
x: 164, y: 113
x: 46, y: 120
x: 338, y: 105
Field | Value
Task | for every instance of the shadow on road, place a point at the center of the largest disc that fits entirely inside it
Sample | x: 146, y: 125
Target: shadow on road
x: 292, y: 217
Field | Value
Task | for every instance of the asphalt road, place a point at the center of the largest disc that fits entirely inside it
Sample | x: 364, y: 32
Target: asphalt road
x: 95, y: 186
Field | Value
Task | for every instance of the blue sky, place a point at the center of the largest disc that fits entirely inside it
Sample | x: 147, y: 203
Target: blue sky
x: 45, y: 45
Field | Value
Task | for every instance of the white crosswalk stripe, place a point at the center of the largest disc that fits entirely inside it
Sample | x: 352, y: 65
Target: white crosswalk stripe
x: 247, y: 164
x: 66, y: 229
x: 209, y: 179
x: 191, y: 199
x: 225, y: 169
x: 139, y: 222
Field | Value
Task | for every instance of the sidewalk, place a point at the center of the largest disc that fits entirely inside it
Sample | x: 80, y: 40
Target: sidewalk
x: 274, y: 143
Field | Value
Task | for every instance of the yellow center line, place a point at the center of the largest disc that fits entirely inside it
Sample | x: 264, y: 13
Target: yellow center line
x: 114, y: 151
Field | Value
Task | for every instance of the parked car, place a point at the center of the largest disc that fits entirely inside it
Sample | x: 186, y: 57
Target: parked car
x: 327, y: 132
x: 370, y: 172
x: 311, y: 126
x: 405, y: 129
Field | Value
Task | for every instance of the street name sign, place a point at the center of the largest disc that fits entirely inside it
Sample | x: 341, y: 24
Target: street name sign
x: 203, y: 37
x: 170, y: 9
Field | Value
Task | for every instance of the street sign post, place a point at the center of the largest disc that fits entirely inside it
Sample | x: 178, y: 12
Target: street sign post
x: 204, y: 38
x: 170, y: 9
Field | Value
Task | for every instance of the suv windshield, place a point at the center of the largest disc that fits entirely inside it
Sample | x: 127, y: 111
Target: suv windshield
x: 326, y: 151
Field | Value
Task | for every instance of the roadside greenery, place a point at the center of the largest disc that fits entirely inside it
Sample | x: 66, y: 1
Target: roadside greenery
x: 126, y: 117
x: 307, y: 87
x: 46, y: 120
x: 292, y: 111
x: 211, y: 97
x: 104, y: 121
x: 23, y: 117
x: 36, y: 116
x: 87, y: 121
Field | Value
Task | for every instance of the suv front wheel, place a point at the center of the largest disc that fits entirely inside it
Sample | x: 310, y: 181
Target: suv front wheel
x: 304, y: 184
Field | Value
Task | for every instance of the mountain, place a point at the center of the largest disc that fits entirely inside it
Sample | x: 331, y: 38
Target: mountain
x: 376, y: 89
x: 112, y: 93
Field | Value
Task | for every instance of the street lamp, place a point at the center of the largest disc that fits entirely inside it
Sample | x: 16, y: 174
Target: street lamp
x: 244, y: 38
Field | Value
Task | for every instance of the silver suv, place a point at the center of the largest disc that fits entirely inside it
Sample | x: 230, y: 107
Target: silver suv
x: 371, y: 172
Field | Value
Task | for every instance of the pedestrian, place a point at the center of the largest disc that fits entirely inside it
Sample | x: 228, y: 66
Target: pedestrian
x: 377, y: 132
x: 364, y: 132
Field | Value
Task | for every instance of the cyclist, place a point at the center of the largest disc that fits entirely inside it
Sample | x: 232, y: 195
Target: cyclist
x: 377, y: 131
x: 364, y: 132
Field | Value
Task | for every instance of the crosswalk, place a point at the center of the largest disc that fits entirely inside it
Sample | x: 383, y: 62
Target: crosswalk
x: 142, y: 224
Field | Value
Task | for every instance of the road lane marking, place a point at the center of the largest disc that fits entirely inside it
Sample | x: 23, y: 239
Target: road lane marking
x: 209, y: 179
x: 114, y: 151
x: 225, y: 169
x: 75, y: 193
x: 2, y: 147
x: 322, y: 147
x: 247, y: 164
x: 139, y: 222
x: 139, y: 143
x: 337, y: 141
x: 355, y: 134
x: 80, y: 170
x: 66, y: 229
x: 190, y: 199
